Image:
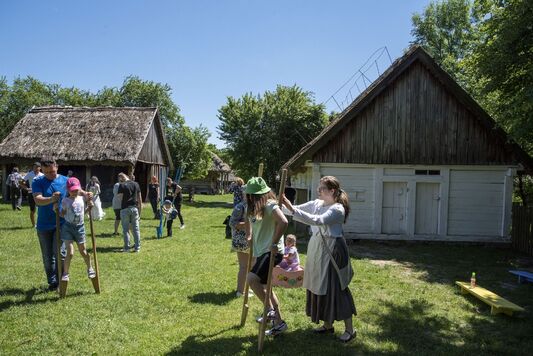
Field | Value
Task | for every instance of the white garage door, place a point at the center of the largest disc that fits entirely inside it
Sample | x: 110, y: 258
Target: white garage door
x: 475, y: 203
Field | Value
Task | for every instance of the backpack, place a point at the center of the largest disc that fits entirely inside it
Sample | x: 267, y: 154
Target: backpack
x: 228, y: 227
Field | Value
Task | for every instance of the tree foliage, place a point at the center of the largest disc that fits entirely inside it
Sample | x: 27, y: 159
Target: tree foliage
x: 187, y: 146
x: 487, y: 45
x: 269, y: 128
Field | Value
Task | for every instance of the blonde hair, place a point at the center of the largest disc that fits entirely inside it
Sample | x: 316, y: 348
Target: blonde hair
x: 290, y: 238
x: 340, y: 195
x: 239, y: 181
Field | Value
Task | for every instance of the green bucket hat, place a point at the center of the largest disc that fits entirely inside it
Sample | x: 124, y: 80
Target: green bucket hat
x: 256, y: 185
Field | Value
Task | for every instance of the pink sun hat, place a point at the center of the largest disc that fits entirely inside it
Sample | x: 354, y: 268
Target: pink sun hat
x: 73, y: 183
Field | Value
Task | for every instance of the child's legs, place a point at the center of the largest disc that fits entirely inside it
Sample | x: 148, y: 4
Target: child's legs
x: 169, y: 227
x: 84, y: 254
x: 283, y: 264
x: 70, y: 252
x: 178, y: 209
x: 242, y: 258
x: 295, y: 266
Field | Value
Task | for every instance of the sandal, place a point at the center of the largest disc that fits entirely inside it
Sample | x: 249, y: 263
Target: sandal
x: 350, y: 338
x: 324, y: 330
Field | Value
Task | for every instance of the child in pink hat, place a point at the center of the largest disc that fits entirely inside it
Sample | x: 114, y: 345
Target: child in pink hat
x: 73, y: 211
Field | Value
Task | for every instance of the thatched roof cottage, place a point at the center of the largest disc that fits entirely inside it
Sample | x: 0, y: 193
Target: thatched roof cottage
x: 102, y: 142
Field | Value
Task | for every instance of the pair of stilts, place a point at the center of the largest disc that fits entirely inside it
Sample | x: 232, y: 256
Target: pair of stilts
x: 63, y: 285
x: 245, y: 305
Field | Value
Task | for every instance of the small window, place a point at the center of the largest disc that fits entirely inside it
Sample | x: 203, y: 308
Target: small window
x: 427, y: 172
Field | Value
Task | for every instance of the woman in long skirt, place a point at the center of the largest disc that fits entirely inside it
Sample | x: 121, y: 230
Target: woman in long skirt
x: 94, y: 187
x: 327, y: 269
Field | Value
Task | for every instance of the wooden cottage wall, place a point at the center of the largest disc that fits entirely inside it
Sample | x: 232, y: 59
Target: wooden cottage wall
x: 151, y: 151
x: 415, y: 120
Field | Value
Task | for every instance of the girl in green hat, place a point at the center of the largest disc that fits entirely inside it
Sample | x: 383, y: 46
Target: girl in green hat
x: 266, y: 223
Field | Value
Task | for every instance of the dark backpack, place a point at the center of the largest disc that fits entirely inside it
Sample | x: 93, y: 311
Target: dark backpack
x: 228, y: 228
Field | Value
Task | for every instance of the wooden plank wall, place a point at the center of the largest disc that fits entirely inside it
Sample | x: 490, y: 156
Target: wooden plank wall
x: 152, y: 151
x: 415, y: 120
x: 522, y: 230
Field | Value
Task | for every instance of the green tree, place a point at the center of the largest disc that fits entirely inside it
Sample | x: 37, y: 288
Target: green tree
x: 192, y: 151
x: 503, y: 63
x: 447, y: 30
x: 19, y: 98
x: 270, y: 128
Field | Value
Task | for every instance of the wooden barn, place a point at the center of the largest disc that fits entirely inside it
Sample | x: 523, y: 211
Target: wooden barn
x: 102, y: 142
x: 419, y: 158
x: 218, y: 179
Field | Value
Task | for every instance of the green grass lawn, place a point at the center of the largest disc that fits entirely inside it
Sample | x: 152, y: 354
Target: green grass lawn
x: 178, y: 297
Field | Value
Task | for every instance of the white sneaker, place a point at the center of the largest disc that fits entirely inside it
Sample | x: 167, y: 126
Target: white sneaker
x: 277, y: 329
x: 182, y: 227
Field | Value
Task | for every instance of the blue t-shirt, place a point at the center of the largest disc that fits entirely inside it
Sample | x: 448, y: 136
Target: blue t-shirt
x: 46, y: 216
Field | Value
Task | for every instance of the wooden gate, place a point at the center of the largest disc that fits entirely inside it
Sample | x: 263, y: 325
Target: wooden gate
x: 522, y: 230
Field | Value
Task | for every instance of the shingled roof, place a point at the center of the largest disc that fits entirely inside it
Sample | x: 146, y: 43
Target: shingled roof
x: 104, y: 135
x: 402, y: 64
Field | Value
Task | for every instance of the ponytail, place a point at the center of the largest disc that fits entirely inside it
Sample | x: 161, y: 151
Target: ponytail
x: 340, y: 195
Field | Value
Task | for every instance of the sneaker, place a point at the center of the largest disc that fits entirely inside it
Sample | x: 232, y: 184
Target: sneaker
x: 65, y: 277
x: 125, y: 250
x: 19, y: 208
x: 91, y: 273
x: 271, y: 315
x: 52, y: 287
x: 182, y: 227
x: 277, y: 329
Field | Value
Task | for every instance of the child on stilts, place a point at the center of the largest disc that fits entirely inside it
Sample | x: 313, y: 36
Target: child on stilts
x: 73, y: 211
x: 267, y: 222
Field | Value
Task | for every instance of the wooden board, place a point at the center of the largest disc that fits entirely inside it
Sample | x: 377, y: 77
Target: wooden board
x: 498, y: 304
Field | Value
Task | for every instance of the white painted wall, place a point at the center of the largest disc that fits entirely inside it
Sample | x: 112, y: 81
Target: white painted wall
x: 461, y: 201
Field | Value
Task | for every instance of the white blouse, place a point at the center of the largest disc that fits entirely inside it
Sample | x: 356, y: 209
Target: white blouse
x: 325, y: 220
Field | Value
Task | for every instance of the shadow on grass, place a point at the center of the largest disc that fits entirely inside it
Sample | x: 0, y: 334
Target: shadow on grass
x: 28, y: 297
x: 297, y: 342
x: 108, y: 235
x: 213, y: 204
x: 212, y: 298
x: 107, y: 249
x: 10, y: 228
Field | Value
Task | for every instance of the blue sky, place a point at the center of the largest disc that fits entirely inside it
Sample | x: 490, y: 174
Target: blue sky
x: 205, y: 50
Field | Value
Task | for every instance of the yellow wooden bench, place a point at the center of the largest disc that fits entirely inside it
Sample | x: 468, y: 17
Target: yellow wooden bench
x: 497, y: 303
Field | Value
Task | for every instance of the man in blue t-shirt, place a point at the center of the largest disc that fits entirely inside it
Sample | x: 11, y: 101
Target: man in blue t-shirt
x: 47, y: 190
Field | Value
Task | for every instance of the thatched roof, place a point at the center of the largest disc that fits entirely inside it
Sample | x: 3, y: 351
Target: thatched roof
x: 219, y: 165
x: 103, y: 135
x: 400, y: 65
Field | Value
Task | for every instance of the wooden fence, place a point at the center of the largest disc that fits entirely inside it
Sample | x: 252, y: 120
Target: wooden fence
x: 522, y: 230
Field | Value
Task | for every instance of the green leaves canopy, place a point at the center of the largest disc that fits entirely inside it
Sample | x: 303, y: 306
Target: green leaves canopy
x: 270, y: 128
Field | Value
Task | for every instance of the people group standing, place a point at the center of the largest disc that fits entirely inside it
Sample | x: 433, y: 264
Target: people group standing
x: 328, y: 269
x: 94, y: 187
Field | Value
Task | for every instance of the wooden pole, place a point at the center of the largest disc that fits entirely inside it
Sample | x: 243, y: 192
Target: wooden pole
x: 96, y: 279
x: 262, y: 327
x: 62, y: 284
x: 245, y: 304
